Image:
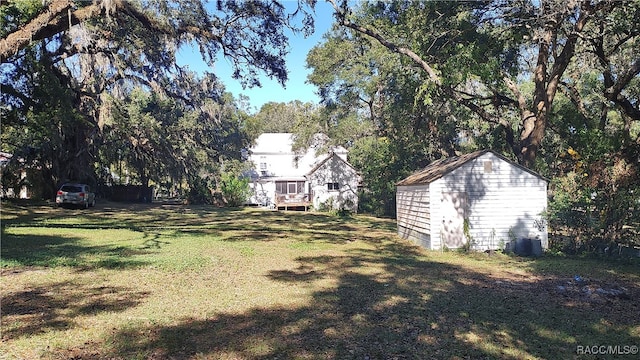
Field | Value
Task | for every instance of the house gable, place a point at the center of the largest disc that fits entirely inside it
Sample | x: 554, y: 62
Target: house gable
x: 334, y: 182
x: 333, y: 161
x: 273, y: 156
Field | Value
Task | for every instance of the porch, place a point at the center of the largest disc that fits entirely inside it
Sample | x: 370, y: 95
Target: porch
x: 293, y: 201
x: 292, y: 194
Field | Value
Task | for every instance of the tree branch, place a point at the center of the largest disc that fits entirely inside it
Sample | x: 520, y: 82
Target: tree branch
x: 59, y: 17
x: 342, y: 19
x: 623, y: 80
x: 55, y: 19
x: 574, y: 95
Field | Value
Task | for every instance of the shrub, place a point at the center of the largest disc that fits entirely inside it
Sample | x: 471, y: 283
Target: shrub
x: 235, y: 189
x: 333, y: 207
x: 199, y: 192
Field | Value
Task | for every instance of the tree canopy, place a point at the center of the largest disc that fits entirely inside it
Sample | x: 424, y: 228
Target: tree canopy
x: 78, y: 76
x: 554, y: 85
x: 91, y: 91
x: 475, y: 53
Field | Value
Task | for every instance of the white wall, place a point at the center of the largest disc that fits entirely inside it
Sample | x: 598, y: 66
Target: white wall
x: 275, y: 151
x: 335, y: 171
x: 281, y: 163
x: 505, y: 201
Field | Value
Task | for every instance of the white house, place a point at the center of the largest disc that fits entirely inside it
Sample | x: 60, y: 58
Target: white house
x: 481, y: 198
x: 282, y: 178
x: 10, y: 192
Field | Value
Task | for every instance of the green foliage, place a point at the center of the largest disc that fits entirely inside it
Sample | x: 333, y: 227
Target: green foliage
x: 326, y: 206
x: 593, y: 161
x: 280, y: 117
x: 15, y: 13
x: 233, y: 184
x: 44, y: 129
x: 374, y: 160
x: 104, y: 102
x: 235, y: 189
x: 466, y: 230
x: 199, y: 191
x: 343, y: 209
x: 372, y: 108
x: 588, y: 218
x: 474, y: 49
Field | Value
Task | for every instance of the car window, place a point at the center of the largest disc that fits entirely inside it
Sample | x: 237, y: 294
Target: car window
x: 71, y: 188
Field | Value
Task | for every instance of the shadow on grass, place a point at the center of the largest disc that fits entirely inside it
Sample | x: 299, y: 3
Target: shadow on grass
x: 249, y: 224
x: 149, y: 217
x: 389, y: 301
x: 55, y: 306
x: 53, y: 251
x: 395, y: 303
x: 158, y: 223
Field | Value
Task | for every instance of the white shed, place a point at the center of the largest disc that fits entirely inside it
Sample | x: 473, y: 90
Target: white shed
x: 481, y: 198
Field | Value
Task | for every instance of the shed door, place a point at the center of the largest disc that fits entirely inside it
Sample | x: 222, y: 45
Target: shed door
x: 453, y: 209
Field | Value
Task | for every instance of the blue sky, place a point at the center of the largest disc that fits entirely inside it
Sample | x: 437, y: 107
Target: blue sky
x: 271, y: 90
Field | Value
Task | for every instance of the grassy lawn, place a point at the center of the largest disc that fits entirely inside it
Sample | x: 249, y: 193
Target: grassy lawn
x: 188, y: 282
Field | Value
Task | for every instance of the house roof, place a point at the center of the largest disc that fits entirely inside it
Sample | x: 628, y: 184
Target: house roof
x: 321, y: 163
x: 439, y: 168
x: 282, y: 143
x: 273, y: 143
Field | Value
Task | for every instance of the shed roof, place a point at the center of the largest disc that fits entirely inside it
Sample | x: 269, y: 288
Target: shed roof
x: 439, y: 168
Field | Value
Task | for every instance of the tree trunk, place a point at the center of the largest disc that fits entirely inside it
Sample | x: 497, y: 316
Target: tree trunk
x: 550, y: 68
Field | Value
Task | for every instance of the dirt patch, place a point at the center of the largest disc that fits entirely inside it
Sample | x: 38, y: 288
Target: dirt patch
x: 576, y: 291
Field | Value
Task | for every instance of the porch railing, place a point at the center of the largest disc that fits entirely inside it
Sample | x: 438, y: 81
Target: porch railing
x: 293, y: 198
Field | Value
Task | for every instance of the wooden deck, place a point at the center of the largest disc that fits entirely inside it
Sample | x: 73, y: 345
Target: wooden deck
x: 293, y: 202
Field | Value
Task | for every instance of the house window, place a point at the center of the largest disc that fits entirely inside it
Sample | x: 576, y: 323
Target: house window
x: 333, y: 186
x: 263, y: 165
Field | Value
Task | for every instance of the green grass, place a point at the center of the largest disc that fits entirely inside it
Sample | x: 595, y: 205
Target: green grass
x: 190, y: 282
